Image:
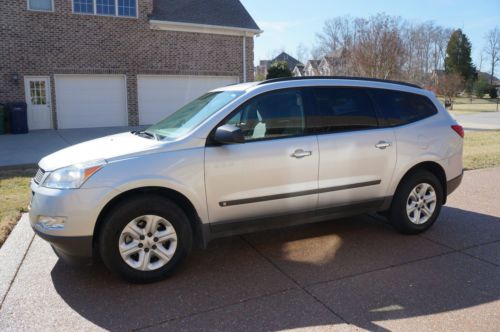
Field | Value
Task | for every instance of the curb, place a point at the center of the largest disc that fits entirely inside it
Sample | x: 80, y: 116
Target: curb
x: 12, y: 254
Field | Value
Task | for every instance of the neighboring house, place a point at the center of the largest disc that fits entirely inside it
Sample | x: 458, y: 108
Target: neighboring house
x: 311, y: 68
x: 261, y: 69
x: 99, y: 63
x: 327, y: 66
x: 264, y: 65
x: 489, y: 78
x: 298, y: 71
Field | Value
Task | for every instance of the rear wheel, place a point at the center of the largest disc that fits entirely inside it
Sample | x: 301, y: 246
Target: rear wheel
x: 417, y: 203
x: 145, y: 239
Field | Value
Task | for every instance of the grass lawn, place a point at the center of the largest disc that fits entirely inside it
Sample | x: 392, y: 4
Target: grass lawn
x: 481, y: 150
x: 464, y: 106
x: 15, y: 195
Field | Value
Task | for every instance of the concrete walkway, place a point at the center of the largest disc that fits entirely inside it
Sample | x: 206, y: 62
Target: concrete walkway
x: 350, y: 274
x: 29, y: 148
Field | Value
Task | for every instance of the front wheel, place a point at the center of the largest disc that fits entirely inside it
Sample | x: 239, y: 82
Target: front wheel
x: 417, y: 203
x: 145, y: 239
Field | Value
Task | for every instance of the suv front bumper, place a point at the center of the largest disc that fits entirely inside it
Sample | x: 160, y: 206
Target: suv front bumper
x: 75, y: 211
x: 73, y: 250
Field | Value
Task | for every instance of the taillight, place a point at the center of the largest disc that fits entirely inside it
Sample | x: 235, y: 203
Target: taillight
x: 459, y: 130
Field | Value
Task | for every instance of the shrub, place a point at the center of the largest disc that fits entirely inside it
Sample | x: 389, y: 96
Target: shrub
x: 279, y: 69
x: 493, y: 92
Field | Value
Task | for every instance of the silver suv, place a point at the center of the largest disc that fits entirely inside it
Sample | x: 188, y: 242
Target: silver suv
x: 244, y: 158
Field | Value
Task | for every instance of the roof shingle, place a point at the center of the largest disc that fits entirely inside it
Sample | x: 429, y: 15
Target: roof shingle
x: 227, y: 13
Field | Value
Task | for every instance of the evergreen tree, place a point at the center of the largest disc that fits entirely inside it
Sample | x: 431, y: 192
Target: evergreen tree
x: 458, y: 56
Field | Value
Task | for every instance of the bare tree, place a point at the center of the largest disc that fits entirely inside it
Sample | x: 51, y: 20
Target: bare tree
x: 449, y: 86
x: 383, y: 46
x: 302, y: 53
x: 337, y: 33
x: 379, y: 51
x: 493, y: 49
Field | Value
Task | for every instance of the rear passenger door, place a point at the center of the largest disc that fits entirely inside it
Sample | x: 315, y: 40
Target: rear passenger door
x: 357, y: 155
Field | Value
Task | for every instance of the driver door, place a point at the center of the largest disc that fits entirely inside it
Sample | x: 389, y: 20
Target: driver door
x: 274, y: 172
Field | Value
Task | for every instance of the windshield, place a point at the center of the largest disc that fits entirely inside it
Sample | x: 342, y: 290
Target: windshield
x: 193, y: 114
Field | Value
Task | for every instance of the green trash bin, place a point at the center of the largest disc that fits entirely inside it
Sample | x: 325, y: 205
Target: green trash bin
x: 3, y: 122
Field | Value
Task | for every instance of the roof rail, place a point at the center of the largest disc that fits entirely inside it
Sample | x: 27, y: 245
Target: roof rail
x: 285, y: 79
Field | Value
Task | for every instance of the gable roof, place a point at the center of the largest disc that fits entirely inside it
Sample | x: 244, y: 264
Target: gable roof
x: 299, y: 69
x: 313, y: 63
x: 221, y: 13
x: 290, y: 60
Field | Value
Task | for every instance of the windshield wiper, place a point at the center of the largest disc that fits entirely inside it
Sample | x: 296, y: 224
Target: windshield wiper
x: 146, y: 134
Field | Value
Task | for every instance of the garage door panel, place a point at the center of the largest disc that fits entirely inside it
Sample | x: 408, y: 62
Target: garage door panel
x: 160, y: 96
x: 85, y: 101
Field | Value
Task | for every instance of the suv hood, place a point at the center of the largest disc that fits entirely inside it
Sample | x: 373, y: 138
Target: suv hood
x: 102, y: 148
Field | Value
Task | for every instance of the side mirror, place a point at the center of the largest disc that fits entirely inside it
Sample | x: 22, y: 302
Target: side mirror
x: 229, y: 134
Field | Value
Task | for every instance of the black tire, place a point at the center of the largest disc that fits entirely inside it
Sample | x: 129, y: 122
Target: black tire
x: 398, y: 216
x: 127, y: 211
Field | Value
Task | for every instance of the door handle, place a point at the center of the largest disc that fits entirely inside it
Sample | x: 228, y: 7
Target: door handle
x: 382, y: 145
x: 301, y: 154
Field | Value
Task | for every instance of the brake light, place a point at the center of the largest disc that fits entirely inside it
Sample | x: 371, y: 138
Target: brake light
x: 459, y: 130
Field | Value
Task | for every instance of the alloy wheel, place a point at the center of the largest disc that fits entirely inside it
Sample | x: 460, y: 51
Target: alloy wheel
x: 421, y: 203
x: 148, y: 243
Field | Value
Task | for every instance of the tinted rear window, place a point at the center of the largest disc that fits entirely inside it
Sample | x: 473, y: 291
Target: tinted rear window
x: 400, y: 108
x: 341, y: 109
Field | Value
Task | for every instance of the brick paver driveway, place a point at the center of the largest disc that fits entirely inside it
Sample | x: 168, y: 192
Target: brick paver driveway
x: 347, y: 274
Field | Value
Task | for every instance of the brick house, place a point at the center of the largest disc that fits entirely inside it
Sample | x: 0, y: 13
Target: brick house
x: 100, y: 63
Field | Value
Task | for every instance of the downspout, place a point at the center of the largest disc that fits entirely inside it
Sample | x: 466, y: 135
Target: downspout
x: 244, y: 57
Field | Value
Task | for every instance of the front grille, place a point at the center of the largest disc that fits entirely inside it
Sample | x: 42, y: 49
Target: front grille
x: 39, y: 176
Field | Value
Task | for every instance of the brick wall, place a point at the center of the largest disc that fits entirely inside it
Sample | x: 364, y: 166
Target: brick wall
x: 41, y: 43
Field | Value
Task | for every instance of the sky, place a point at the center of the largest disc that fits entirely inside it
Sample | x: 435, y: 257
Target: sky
x: 287, y: 23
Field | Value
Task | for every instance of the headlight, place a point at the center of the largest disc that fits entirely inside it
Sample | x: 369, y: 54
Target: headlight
x: 72, y: 177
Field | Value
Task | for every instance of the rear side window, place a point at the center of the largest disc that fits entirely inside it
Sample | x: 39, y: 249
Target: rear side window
x: 341, y: 109
x: 400, y: 108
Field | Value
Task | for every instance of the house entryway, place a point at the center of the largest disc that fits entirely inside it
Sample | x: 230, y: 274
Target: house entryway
x: 37, y: 92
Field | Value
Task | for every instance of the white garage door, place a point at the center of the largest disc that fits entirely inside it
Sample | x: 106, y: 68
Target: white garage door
x: 85, y: 101
x: 160, y: 96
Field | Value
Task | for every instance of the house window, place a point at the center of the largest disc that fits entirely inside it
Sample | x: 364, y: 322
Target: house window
x: 42, y: 5
x: 123, y: 8
x: 127, y: 8
x: 105, y: 7
x: 83, y: 6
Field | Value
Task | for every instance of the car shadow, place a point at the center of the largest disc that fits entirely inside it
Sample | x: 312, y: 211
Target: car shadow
x: 359, y: 268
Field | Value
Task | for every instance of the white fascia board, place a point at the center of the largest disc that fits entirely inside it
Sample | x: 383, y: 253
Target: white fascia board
x: 203, y: 28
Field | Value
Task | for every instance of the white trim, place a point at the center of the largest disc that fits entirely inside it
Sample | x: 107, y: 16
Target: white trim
x: 203, y: 28
x: 245, y: 59
x: 40, y: 10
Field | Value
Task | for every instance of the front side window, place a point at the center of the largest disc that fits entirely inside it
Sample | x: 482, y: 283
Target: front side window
x: 193, y: 114
x: 43, y: 5
x: 401, y: 108
x: 272, y: 115
x: 342, y: 109
x: 124, y: 8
